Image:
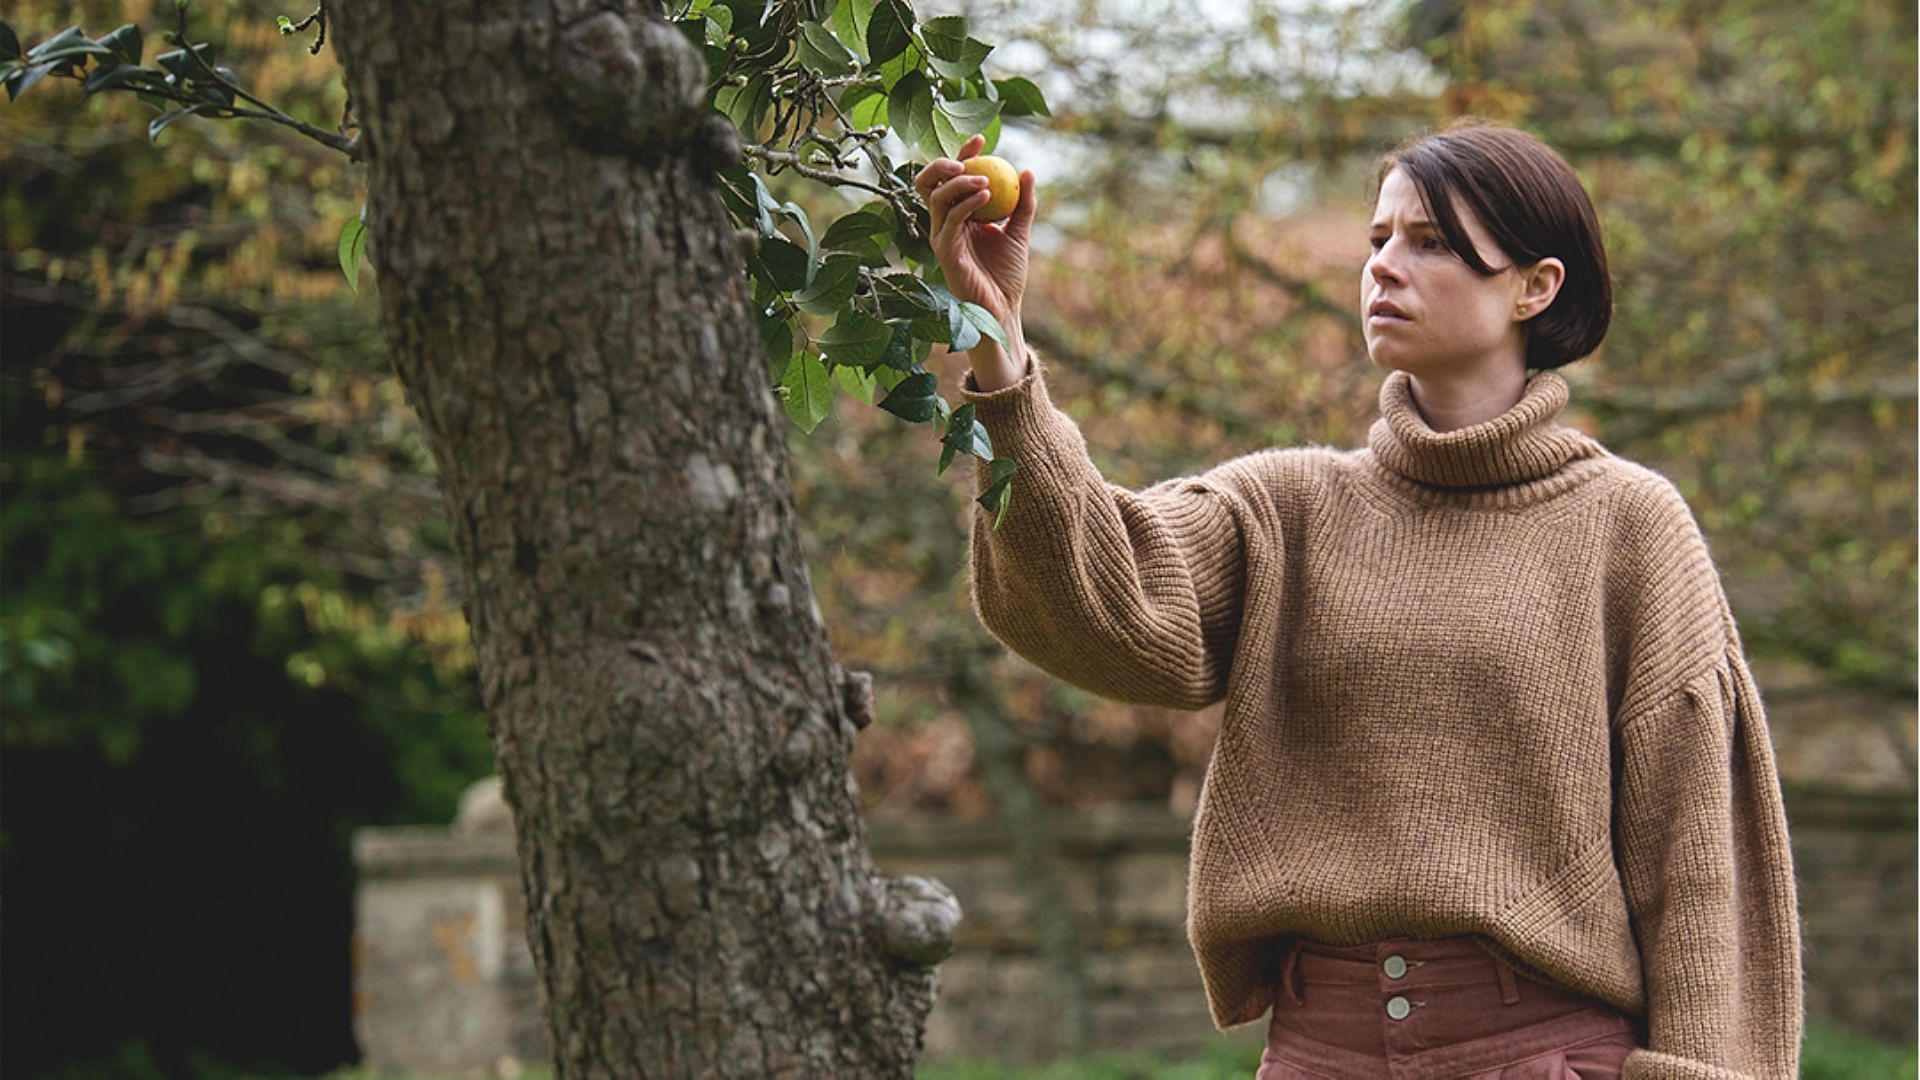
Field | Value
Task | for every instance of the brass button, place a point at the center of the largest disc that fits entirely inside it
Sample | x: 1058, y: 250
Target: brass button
x: 1395, y: 966
x: 1398, y: 1008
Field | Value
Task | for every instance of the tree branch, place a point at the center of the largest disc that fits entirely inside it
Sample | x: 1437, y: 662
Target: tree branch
x: 348, y: 146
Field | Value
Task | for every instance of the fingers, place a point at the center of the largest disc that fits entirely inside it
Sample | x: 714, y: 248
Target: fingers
x: 944, y: 190
x: 957, y: 199
x: 942, y: 168
x: 1020, y: 222
x: 944, y: 186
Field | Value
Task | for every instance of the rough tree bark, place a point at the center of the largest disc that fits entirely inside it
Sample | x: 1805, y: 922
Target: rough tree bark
x: 563, y: 299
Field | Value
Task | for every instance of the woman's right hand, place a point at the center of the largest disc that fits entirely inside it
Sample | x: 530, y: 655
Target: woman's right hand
x: 985, y: 264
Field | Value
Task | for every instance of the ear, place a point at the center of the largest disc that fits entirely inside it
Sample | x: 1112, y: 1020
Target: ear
x: 1539, y: 284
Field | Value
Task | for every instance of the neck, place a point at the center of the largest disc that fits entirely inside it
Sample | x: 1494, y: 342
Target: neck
x: 1521, y: 442
x: 1449, y: 402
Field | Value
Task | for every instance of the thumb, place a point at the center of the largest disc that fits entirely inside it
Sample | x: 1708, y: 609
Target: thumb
x: 1020, y: 222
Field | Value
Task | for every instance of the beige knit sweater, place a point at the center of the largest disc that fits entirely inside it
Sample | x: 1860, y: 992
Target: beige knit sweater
x: 1481, y: 682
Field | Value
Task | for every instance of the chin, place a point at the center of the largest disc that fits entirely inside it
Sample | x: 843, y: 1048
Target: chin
x: 1385, y: 359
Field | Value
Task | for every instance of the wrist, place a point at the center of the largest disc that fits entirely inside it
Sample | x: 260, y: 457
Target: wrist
x: 996, y: 367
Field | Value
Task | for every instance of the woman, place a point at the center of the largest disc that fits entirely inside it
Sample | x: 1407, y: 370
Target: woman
x: 1493, y: 794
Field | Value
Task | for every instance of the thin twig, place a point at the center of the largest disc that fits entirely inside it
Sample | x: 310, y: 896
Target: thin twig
x: 347, y: 146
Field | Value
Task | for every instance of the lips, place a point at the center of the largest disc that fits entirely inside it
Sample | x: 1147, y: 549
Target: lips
x: 1386, y: 309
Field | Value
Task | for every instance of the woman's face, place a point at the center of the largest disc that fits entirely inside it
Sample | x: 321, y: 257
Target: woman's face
x: 1454, y: 318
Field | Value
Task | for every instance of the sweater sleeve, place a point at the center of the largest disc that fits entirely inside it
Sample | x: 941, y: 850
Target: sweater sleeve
x: 1702, y: 844
x: 1132, y: 595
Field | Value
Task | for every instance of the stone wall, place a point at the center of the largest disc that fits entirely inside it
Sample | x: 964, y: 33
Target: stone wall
x: 1854, y: 857
x: 444, y: 980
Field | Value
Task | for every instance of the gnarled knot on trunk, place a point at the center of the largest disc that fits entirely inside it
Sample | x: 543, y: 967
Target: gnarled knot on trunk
x: 916, y: 918
x: 796, y: 753
x: 856, y: 697
x: 634, y: 83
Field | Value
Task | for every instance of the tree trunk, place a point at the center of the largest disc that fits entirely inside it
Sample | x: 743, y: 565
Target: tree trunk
x: 564, y: 302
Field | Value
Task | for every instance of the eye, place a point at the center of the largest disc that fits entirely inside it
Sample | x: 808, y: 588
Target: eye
x: 1432, y: 243
x: 1377, y: 241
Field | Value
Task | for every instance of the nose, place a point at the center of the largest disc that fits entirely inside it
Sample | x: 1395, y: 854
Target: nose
x: 1384, y: 264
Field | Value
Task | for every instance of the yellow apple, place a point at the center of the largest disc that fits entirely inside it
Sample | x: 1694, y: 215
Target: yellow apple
x: 1003, y: 186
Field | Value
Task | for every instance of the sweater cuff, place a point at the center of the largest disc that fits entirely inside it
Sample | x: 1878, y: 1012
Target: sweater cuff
x: 1020, y: 419
x: 1653, y: 1065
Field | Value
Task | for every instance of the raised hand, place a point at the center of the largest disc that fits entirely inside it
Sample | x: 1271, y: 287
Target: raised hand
x: 985, y: 263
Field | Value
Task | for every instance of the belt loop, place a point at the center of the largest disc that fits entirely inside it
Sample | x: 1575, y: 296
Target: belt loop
x: 1509, y: 990
x: 1290, y: 975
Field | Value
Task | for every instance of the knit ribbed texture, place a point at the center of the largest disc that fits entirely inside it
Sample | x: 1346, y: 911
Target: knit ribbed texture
x: 1431, y: 650
x: 1521, y: 444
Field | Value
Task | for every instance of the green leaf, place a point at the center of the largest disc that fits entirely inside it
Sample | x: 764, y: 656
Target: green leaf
x: 889, y: 30
x: 901, y: 353
x: 777, y: 335
x: 9, y: 43
x: 746, y: 105
x: 165, y: 120
x: 855, y: 382
x: 833, y: 285
x: 962, y: 333
x: 855, y: 339
x: 910, y: 105
x: 944, y: 139
x: 22, y: 80
x: 1019, y: 97
x: 983, y: 321
x: 999, y: 490
x: 822, y: 53
x: 942, y: 320
x: 991, y: 135
x: 945, y: 36
x: 888, y: 378
x: 913, y: 399
x: 353, y: 243
x: 765, y: 206
x: 126, y: 43
x: 892, y: 71
x: 965, y: 435
x: 124, y: 76
x: 970, y: 115
x: 784, y: 263
x: 855, y: 231
x: 214, y: 92
x: 903, y: 296
x: 66, y: 45
x: 809, y: 393
x: 865, y: 105
x: 850, y: 21
x: 285, y: 25
x: 182, y: 66
x: 719, y: 24
x: 963, y: 66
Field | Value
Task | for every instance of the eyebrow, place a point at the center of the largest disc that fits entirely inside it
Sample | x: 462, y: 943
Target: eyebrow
x: 1415, y: 223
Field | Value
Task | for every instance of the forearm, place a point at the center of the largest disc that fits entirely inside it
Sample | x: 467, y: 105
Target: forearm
x: 1131, y: 595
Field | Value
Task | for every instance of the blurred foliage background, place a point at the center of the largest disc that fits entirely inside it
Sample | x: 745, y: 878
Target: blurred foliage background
x: 231, y: 634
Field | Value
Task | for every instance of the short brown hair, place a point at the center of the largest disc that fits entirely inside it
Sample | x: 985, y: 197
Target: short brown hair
x: 1533, y: 203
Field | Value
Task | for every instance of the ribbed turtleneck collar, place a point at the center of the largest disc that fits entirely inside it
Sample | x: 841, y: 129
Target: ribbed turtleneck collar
x: 1524, y: 443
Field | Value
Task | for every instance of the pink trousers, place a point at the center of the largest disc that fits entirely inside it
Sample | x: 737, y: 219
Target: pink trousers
x: 1400, y: 1009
